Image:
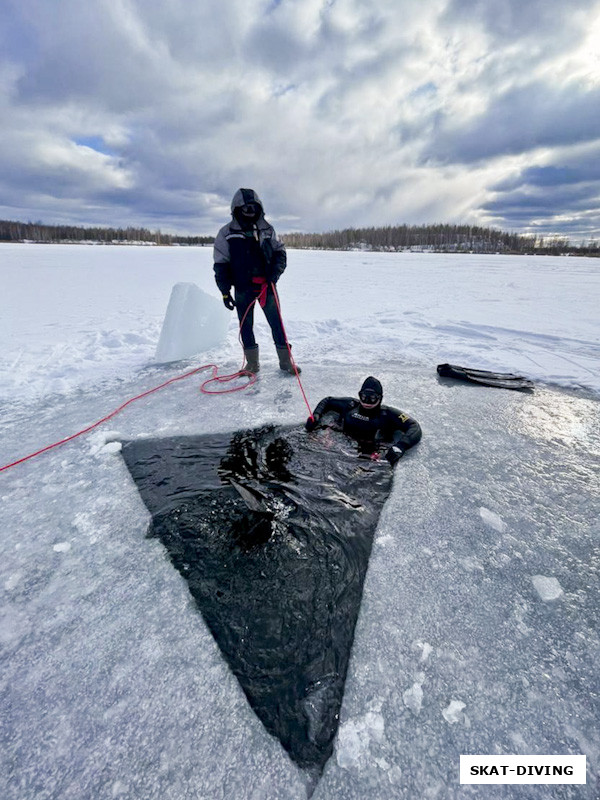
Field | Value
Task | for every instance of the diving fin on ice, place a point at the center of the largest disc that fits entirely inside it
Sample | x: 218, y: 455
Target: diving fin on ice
x: 500, y: 380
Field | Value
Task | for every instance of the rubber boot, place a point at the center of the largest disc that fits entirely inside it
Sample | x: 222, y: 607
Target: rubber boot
x: 285, y: 362
x: 251, y: 356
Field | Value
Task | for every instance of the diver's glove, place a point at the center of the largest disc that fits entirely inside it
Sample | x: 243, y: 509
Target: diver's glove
x: 228, y: 301
x: 394, y: 454
x: 312, y: 422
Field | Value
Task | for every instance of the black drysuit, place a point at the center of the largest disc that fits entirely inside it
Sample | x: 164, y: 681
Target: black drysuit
x: 371, y: 427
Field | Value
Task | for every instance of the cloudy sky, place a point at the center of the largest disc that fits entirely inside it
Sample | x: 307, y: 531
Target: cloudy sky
x: 338, y: 112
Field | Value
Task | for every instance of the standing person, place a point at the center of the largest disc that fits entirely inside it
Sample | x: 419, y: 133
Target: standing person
x: 249, y: 256
x: 370, y: 423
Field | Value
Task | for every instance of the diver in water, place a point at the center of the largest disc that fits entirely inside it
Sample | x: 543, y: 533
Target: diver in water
x: 369, y: 422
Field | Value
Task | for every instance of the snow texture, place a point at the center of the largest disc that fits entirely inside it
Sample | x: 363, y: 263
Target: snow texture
x: 110, y: 683
x: 194, y: 322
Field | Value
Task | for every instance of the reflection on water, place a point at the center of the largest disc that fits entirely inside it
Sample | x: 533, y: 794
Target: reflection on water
x: 556, y: 416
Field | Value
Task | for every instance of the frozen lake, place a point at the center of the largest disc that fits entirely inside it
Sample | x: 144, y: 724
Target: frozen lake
x: 71, y: 315
x: 479, y: 625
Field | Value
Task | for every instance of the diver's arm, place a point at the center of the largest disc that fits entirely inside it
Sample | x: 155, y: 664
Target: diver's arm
x: 406, y: 433
x: 337, y: 405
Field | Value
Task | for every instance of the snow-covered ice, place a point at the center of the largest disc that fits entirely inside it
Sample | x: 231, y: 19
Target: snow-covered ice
x: 110, y: 683
x: 74, y: 314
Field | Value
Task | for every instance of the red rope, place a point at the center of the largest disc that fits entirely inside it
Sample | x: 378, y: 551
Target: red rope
x: 215, y: 377
x: 225, y: 379
x: 287, y: 344
x: 106, y: 418
x: 242, y: 371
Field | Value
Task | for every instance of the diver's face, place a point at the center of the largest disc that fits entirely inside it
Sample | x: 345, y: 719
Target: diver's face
x: 369, y: 399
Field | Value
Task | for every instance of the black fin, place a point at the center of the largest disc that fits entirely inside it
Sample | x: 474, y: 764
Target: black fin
x: 500, y: 380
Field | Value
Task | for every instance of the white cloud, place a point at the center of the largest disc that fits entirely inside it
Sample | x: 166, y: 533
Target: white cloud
x: 338, y: 112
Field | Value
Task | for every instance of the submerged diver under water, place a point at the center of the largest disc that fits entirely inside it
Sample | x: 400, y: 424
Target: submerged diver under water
x: 369, y: 422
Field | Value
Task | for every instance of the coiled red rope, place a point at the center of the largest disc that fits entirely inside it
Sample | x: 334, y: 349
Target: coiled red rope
x: 215, y: 377
x: 240, y: 373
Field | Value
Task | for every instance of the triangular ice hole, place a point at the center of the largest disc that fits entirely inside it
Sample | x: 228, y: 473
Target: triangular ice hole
x: 272, y: 529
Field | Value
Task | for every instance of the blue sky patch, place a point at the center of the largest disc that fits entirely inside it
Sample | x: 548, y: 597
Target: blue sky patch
x: 95, y: 143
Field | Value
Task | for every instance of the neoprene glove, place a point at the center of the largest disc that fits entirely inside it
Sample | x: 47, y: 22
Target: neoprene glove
x: 311, y: 423
x: 394, y: 454
x: 228, y: 301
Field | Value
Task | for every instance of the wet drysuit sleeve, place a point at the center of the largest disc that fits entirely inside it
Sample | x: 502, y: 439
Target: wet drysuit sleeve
x: 222, y: 263
x: 401, y: 430
x: 338, y: 405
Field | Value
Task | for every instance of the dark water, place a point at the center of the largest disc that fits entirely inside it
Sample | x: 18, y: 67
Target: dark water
x: 272, y: 529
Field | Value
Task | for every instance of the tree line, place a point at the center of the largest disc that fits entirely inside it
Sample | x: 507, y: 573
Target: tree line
x: 438, y: 238
x: 53, y: 234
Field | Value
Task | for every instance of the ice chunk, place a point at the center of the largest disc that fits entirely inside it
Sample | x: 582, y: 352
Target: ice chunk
x: 413, y: 698
x: 355, y: 737
x: 13, y: 580
x: 111, y: 448
x: 14, y: 626
x: 62, y: 547
x: 472, y: 564
x: 547, y: 588
x: 427, y: 650
x: 194, y: 322
x: 349, y: 746
x: 104, y: 441
x: 492, y: 520
x: 453, y: 713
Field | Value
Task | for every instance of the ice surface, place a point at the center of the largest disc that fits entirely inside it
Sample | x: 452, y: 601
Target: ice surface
x: 101, y: 641
x: 525, y: 670
x: 110, y: 685
x: 194, y: 322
